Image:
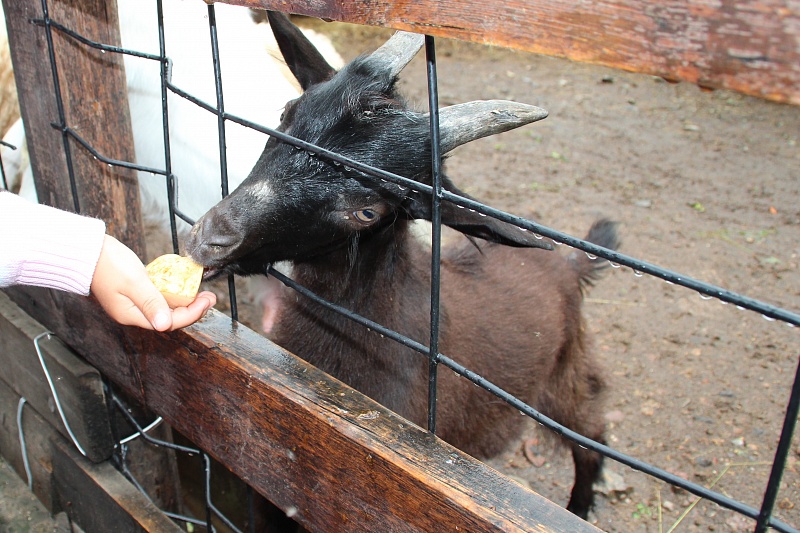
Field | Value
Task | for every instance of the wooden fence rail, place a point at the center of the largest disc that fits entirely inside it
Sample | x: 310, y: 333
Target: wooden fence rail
x: 296, y: 435
x: 751, y: 46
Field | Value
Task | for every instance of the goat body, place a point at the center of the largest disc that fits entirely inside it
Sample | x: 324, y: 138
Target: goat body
x: 509, y: 312
x: 511, y: 315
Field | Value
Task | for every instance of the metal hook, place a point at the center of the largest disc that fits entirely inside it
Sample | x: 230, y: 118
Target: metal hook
x: 57, y: 401
x: 22, y: 445
x: 152, y: 425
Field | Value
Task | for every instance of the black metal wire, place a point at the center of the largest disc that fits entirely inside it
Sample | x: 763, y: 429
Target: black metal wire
x: 93, y: 44
x: 781, y: 455
x: 170, y: 178
x: 617, y: 258
x: 117, y: 402
x: 100, y: 157
x: 763, y: 516
x: 436, y: 220
x: 2, y: 166
x: 211, y: 509
x: 223, y: 153
x: 549, y: 423
x: 207, y: 491
x: 60, y: 106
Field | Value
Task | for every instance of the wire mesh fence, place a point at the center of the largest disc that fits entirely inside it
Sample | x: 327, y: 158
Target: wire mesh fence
x: 762, y: 515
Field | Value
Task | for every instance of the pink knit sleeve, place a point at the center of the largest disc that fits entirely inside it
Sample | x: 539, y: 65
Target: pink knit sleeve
x: 47, y: 247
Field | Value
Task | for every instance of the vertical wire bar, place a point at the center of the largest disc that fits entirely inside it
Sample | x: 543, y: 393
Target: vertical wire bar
x: 170, y: 178
x: 3, y: 175
x: 2, y: 166
x: 223, y: 157
x: 436, y: 219
x: 207, y: 491
x: 781, y: 454
x: 60, y: 106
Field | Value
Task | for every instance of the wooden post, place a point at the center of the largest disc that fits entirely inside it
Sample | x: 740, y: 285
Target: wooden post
x: 93, y: 101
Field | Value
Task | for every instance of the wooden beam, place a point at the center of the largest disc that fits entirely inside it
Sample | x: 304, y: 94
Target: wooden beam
x: 98, y: 498
x: 79, y: 386
x: 324, y: 453
x: 751, y: 46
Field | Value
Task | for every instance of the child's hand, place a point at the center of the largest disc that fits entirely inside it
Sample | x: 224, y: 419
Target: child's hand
x: 121, y: 285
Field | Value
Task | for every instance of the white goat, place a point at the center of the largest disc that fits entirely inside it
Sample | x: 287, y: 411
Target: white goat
x: 256, y: 86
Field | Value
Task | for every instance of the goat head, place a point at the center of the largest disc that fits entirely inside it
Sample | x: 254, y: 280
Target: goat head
x: 296, y: 204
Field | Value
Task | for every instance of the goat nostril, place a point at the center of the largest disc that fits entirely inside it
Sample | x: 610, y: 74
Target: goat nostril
x: 218, y: 244
x: 212, y: 239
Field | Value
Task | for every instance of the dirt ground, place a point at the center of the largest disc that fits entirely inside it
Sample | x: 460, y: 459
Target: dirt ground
x: 703, y: 183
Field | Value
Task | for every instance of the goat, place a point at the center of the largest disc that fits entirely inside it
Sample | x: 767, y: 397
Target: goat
x: 510, y: 308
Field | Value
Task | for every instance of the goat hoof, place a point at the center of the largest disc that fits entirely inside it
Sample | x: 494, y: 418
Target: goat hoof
x: 579, y: 510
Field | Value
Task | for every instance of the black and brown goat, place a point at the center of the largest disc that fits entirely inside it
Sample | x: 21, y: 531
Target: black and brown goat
x: 510, y: 310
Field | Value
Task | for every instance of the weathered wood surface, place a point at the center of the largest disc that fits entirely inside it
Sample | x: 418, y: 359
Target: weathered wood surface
x: 78, y: 385
x: 321, y: 451
x: 95, y: 106
x: 751, y: 46
x: 98, y: 498
x: 38, y: 435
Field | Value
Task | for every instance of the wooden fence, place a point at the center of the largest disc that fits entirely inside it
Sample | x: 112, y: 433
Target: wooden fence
x: 291, y: 432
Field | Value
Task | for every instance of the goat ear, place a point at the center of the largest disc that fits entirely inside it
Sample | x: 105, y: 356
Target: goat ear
x: 473, y: 223
x: 303, y: 59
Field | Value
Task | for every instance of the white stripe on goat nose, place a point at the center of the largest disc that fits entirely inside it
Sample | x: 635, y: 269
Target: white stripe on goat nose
x: 261, y: 190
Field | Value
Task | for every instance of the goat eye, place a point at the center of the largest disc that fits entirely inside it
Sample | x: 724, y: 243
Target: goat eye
x: 365, y: 216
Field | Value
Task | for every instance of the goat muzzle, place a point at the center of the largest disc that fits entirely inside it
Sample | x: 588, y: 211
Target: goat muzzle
x: 213, y: 242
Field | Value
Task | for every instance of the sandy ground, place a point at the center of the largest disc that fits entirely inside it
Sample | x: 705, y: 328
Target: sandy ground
x: 20, y: 511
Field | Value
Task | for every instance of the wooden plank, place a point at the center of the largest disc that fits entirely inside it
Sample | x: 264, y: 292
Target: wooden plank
x: 321, y: 451
x: 38, y: 434
x: 95, y: 105
x: 98, y: 498
x: 95, y: 495
x: 79, y: 386
x: 751, y: 46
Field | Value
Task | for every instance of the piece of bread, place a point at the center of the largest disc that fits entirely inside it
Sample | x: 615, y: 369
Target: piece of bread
x: 176, y: 277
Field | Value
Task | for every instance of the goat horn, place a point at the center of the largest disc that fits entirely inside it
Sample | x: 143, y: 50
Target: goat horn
x: 398, y: 51
x: 462, y: 123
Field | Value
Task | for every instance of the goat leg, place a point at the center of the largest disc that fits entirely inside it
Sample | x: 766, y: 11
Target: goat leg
x: 588, y: 466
